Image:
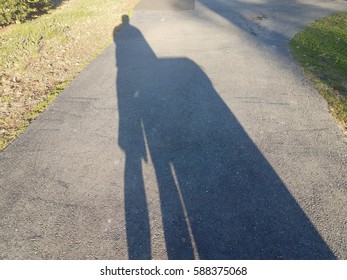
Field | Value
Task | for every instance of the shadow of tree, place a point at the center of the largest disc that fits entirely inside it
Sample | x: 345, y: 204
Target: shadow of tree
x: 287, y: 18
x: 57, y: 3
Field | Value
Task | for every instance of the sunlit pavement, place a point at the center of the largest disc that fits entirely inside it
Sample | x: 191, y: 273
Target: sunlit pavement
x: 194, y: 135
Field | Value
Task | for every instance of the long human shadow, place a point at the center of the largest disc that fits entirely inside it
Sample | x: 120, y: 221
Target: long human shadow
x: 219, y: 197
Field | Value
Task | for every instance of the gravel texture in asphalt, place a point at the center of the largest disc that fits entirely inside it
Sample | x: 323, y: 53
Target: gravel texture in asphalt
x: 194, y: 135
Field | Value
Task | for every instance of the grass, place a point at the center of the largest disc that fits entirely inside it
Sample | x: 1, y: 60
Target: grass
x: 321, y: 50
x: 39, y: 58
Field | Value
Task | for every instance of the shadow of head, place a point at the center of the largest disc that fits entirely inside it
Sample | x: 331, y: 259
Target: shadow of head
x: 125, y: 19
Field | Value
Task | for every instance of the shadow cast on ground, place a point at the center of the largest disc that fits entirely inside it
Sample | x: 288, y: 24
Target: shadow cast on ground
x: 286, y: 17
x: 57, y: 3
x: 219, y: 197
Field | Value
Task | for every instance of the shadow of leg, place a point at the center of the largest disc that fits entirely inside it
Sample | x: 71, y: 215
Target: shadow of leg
x: 137, y: 225
x: 177, y: 238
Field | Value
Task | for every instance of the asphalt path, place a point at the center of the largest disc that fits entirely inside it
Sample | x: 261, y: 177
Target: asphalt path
x: 193, y: 136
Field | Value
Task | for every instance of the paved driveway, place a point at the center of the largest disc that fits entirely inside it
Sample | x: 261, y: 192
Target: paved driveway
x: 194, y: 135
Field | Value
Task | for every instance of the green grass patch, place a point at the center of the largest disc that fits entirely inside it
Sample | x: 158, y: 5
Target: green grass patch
x: 40, y: 57
x: 42, y: 105
x: 12, y: 11
x: 321, y: 50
